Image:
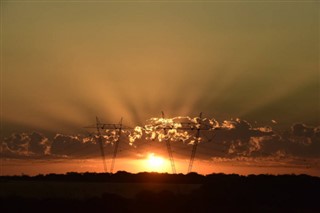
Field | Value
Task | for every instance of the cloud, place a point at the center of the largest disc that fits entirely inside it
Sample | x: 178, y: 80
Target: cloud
x: 230, y: 139
x: 302, y: 130
x: 73, y: 146
x: 26, y: 145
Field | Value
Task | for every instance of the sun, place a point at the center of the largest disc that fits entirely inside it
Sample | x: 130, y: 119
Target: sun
x: 155, y: 163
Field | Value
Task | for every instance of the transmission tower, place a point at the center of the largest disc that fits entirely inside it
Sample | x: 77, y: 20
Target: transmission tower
x: 195, y: 145
x: 102, y: 126
x: 98, y: 126
x: 116, y: 145
x: 169, y: 149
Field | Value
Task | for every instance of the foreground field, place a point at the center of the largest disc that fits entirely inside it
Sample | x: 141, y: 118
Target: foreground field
x: 82, y: 190
x: 152, y: 192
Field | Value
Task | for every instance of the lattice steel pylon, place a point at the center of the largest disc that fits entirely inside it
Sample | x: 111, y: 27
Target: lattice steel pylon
x: 102, y: 126
x: 116, y: 146
x: 98, y: 126
x: 195, y: 145
x: 169, y: 149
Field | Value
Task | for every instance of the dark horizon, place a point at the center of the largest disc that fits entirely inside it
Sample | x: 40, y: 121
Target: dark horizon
x: 126, y: 192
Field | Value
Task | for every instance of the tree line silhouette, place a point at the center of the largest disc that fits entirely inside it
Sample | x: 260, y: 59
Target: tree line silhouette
x: 217, y: 193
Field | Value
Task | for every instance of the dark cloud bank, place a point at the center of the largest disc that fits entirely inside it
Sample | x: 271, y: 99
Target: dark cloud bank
x: 242, y: 141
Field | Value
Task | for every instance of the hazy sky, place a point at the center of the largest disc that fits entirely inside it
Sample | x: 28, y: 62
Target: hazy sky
x: 63, y: 63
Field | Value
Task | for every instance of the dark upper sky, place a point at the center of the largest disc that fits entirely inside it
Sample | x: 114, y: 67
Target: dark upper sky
x: 63, y: 63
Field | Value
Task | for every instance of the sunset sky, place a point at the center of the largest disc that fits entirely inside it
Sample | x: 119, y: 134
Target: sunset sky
x: 64, y: 63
